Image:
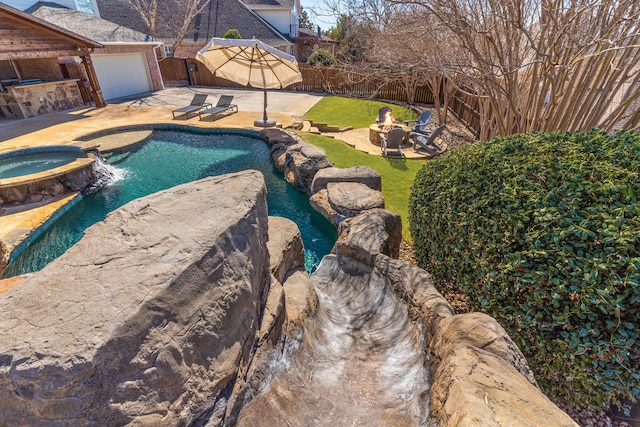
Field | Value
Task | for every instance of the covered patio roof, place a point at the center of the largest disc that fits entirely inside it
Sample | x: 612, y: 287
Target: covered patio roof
x: 23, y: 36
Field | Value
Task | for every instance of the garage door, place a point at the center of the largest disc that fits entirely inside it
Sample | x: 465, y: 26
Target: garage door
x: 122, y: 75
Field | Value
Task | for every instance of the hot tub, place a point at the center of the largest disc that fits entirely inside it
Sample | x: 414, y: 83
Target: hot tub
x: 38, y: 173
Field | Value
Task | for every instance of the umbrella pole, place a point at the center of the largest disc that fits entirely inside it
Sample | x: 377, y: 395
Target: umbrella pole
x: 264, y: 117
x: 265, y: 122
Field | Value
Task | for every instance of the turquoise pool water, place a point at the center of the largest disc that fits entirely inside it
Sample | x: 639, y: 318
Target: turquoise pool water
x: 169, y: 158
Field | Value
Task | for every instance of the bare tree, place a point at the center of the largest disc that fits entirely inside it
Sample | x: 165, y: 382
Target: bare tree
x: 171, y: 17
x: 177, y: 16
x: 148, y: 11
x: 546, y: 65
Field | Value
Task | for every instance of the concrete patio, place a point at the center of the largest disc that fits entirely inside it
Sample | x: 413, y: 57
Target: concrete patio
x: 155, y: 108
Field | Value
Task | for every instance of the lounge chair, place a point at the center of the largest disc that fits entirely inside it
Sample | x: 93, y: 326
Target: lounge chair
x: 197, y: 103
x: 382, y: 112
x: 224, y: 104
x: 393, y: 140
x: 426, y: 140
x: 420, y: 122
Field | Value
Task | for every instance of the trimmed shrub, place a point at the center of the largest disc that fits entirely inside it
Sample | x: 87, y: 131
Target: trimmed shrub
x: 542, y: 232
x: 322, y: 57
x: 232, y: 34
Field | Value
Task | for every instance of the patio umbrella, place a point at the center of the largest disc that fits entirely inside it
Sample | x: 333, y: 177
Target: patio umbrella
x: 251, y: 63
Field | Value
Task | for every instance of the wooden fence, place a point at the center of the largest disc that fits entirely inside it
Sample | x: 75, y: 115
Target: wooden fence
x: 333, y: 80
x: 466, y: 109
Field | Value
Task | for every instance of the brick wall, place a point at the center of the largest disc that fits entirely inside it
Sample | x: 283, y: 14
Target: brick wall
x: 6, y: 71
x: 43, y: 69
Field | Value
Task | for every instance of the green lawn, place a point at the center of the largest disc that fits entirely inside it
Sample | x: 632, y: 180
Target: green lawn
x: 358, y: 113
x: 397, y: 174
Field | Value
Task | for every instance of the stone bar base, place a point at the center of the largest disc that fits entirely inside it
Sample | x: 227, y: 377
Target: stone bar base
x: 42, y: 98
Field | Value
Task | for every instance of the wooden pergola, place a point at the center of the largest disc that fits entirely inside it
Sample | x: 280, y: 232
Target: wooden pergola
x: 24, y: 37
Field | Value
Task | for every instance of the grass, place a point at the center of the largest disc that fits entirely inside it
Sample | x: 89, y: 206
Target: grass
x: 358, y: 113
x: 397, y: 174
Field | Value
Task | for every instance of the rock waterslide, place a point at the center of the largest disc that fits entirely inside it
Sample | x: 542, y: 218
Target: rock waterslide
x: 360, y: 362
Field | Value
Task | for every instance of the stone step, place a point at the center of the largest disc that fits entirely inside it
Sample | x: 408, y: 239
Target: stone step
x: 324, y: 127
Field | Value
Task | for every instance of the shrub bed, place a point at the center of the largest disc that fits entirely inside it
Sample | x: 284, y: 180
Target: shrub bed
x: 542, y: 232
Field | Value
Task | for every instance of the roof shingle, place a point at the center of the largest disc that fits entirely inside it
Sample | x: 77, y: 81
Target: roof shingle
x: 220, y: 16
x: 86, y: 25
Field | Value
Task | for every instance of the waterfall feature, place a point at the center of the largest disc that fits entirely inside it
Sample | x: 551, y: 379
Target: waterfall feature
x: 105, y: 174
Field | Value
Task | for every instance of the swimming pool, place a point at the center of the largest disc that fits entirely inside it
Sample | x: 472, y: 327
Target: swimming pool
x: 168, y: 158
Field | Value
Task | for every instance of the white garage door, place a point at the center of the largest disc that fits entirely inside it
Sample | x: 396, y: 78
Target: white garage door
x: 122, y: 75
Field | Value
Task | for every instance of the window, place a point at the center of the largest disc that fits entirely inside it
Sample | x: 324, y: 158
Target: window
x: 168, y: 51
x: 85, y: 6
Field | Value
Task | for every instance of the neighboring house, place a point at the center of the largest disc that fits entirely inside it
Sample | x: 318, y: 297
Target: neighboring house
x: 126, y: 65
x: 308, y: 41
x: 280, y: 14
x: 218, y: 17
x: 86, y: 6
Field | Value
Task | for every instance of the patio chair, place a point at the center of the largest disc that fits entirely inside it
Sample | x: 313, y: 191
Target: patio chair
x: 420, y: 122
x: 197, y: 103
x: 382, y: 112
x: 426, y: 141
x: 224, y: 104
x: 393, y: 140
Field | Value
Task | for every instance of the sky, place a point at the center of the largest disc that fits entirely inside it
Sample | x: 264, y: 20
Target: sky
x: 317, y: 11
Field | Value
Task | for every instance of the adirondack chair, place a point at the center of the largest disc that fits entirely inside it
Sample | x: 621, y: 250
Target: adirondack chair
x: 420, y: 122
x: 426, y: 141
x: 393, y: 140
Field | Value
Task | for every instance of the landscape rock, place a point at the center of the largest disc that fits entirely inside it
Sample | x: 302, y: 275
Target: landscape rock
x: 302, y: 162
x: 414, y: 285
x: 320, y: 202
x: 480, y: 377
x: 150, y: 319
x: 286, y: 250
x: 301, y: 300
x: 362, y: 174
x: 373, y: 232
x: 273, y: 315
x: 351, y: 198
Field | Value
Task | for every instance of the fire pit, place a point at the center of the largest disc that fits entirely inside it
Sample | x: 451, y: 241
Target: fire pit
x: 379, y: 128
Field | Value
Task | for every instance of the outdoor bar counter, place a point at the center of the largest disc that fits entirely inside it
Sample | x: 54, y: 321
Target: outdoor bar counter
x: 31, y: 98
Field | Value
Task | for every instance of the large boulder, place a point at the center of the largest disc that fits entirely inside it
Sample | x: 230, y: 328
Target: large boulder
x: 362, y: 174
x: 286, y: 249
x: 480, y: 377
x: 150, y: 319
x: 368, y: 234
x: 302, y: 161
x: 342, y: 200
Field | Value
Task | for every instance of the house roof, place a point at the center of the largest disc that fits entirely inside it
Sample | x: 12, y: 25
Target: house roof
x: 18, y: 15
x: 258, y: 4
x: 310, y: 34
x: 88, y: 25
x: 214, y: 21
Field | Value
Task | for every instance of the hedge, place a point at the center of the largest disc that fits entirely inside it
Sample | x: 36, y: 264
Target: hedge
x: 542, y: 232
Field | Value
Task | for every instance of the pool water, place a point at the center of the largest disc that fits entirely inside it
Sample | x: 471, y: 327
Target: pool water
x: 170, y: 158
